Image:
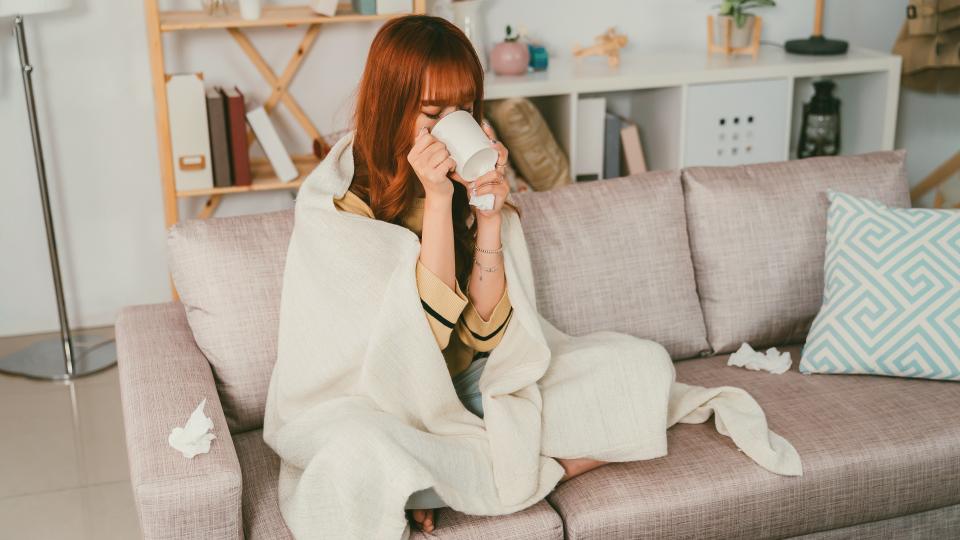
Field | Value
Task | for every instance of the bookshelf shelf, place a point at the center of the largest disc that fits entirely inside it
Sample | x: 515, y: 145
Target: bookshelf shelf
x: 263, y: 179
x: 272, y: 16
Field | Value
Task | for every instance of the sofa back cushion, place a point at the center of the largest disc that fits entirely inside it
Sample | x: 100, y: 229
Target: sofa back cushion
x: 614, y: 255
x: 229, y: 272
x: 758, y: 234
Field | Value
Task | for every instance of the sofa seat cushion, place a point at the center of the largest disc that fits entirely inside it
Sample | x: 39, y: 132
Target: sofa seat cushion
x: 261, y: 504
x: 872, y: 447
x: 262, y: 519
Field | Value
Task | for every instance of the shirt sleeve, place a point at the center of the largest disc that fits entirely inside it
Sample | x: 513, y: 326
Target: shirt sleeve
x: 482, y: 335
x: 352, y: 204
x: 441, y: 304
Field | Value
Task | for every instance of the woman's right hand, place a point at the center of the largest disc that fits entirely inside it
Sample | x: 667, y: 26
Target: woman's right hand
x: 431, y: 162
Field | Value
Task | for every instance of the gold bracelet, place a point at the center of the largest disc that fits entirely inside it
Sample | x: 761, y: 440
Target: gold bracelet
x: 498, y: 250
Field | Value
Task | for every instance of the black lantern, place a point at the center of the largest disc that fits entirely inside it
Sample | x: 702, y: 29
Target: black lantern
x: 820, y: 133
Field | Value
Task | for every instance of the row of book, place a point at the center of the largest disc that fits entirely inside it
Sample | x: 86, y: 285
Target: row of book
x: 208, y: 136
x: 608, y: 145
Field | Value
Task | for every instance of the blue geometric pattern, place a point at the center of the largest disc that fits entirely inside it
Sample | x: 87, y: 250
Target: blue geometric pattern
x: 891, y: 300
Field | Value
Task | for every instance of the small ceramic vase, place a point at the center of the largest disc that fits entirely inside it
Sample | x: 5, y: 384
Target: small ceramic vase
x: 510, y: 56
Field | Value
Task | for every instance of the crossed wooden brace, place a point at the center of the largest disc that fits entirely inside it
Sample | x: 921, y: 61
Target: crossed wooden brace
x: 280, y: 92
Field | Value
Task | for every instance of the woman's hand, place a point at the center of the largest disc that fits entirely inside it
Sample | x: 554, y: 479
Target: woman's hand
x: 431, y: 162
x: 494, y: 181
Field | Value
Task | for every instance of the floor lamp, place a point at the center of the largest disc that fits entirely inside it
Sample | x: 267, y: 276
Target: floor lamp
x: 69, y: 356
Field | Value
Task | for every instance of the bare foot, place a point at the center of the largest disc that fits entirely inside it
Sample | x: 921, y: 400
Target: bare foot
x: 578, y: 466
x: 421, y: 520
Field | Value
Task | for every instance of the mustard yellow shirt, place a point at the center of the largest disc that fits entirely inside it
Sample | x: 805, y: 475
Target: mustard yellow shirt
x: 459, y: 329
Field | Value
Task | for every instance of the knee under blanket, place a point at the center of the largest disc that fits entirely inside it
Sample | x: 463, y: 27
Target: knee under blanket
x: 362, y: 410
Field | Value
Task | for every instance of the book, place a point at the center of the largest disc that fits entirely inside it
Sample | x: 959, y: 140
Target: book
x: 189, y: 133
x: 364, y: 7
x: 270, y: 142
x: 591, y: 115
x: 219, y: 138
x: 611, y: 146
x: 239, y: 151
x: 634, y: 161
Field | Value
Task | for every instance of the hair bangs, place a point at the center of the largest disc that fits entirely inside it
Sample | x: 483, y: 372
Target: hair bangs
x: 452, y: 77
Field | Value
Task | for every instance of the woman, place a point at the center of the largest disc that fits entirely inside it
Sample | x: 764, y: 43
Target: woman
x: 420, y: 69
x: 393, y: 284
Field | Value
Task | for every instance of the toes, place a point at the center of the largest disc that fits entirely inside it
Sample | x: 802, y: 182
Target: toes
x: 428, y: 521
x: 421, y: 520
x: 415, y: 517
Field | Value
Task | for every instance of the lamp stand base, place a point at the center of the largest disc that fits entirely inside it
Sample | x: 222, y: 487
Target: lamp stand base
x: 816, y: 45
x: 44, y: 359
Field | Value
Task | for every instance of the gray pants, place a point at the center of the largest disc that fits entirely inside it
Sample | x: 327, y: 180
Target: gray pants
x: 466, y: 384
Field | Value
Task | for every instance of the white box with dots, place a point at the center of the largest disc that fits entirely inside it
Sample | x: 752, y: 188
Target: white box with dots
x: 736, y: 123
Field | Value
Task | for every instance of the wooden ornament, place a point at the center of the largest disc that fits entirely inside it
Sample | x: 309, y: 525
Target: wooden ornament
x: 608, y: 44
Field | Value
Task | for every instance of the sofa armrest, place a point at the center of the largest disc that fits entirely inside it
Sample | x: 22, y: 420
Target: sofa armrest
x: 163, y: 376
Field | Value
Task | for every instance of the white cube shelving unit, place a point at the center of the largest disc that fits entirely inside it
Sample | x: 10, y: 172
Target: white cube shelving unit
x: 696, y: 109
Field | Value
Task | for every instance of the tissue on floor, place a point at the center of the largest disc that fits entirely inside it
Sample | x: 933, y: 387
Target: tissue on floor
x: 193, y: 438
x: 773, y: 361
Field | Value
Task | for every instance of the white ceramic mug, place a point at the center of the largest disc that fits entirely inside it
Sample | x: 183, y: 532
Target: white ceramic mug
x: 467, y: 143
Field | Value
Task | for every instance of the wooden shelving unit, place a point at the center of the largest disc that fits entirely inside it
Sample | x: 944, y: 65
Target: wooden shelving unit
x: 676, y: 97
x: 161, y: 22
x: 173, y: 21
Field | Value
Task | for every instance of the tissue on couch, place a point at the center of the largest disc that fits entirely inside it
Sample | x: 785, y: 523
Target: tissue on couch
x: 773, y: 361
x: 193, y: 438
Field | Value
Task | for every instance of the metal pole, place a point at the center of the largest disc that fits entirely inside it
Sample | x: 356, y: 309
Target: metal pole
x: 65, y: 336
x: 72, y: 355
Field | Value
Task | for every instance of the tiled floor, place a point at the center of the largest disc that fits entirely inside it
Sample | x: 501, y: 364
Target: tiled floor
x: 63, y: 462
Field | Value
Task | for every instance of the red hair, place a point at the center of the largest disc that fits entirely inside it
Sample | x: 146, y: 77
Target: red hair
x: 405, y: 54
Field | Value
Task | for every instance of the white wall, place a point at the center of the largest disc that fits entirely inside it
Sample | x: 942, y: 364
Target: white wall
x: 96, y: 113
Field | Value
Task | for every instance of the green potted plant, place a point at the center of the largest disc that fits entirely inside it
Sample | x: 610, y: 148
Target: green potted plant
x: 743, y: 20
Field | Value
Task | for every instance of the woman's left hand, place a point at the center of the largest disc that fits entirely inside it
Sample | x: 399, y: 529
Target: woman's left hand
x: 494, y: 181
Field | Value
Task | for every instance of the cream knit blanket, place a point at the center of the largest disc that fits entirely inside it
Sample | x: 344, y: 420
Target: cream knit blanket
x: 362, y: 411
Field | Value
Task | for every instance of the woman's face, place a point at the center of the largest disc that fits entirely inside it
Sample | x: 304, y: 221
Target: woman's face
x: 431, y: 114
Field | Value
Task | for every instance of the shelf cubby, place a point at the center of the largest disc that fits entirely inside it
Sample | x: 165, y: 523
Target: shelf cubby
x: 862, y: 96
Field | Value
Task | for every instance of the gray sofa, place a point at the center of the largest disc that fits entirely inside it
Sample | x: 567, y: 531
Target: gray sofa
x: 700, y: 260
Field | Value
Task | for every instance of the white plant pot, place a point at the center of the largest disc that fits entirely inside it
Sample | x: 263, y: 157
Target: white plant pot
x: 324, y: 7
x: 739, y: 36
x: 250, y: 9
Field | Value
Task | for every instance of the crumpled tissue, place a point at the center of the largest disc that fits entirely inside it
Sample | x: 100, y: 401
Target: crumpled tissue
x: 193, y: 438
x: 773, y: 361
x: 483, y: 202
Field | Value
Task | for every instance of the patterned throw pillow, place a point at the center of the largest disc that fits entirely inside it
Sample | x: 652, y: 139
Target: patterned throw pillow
x: 891, y: 305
